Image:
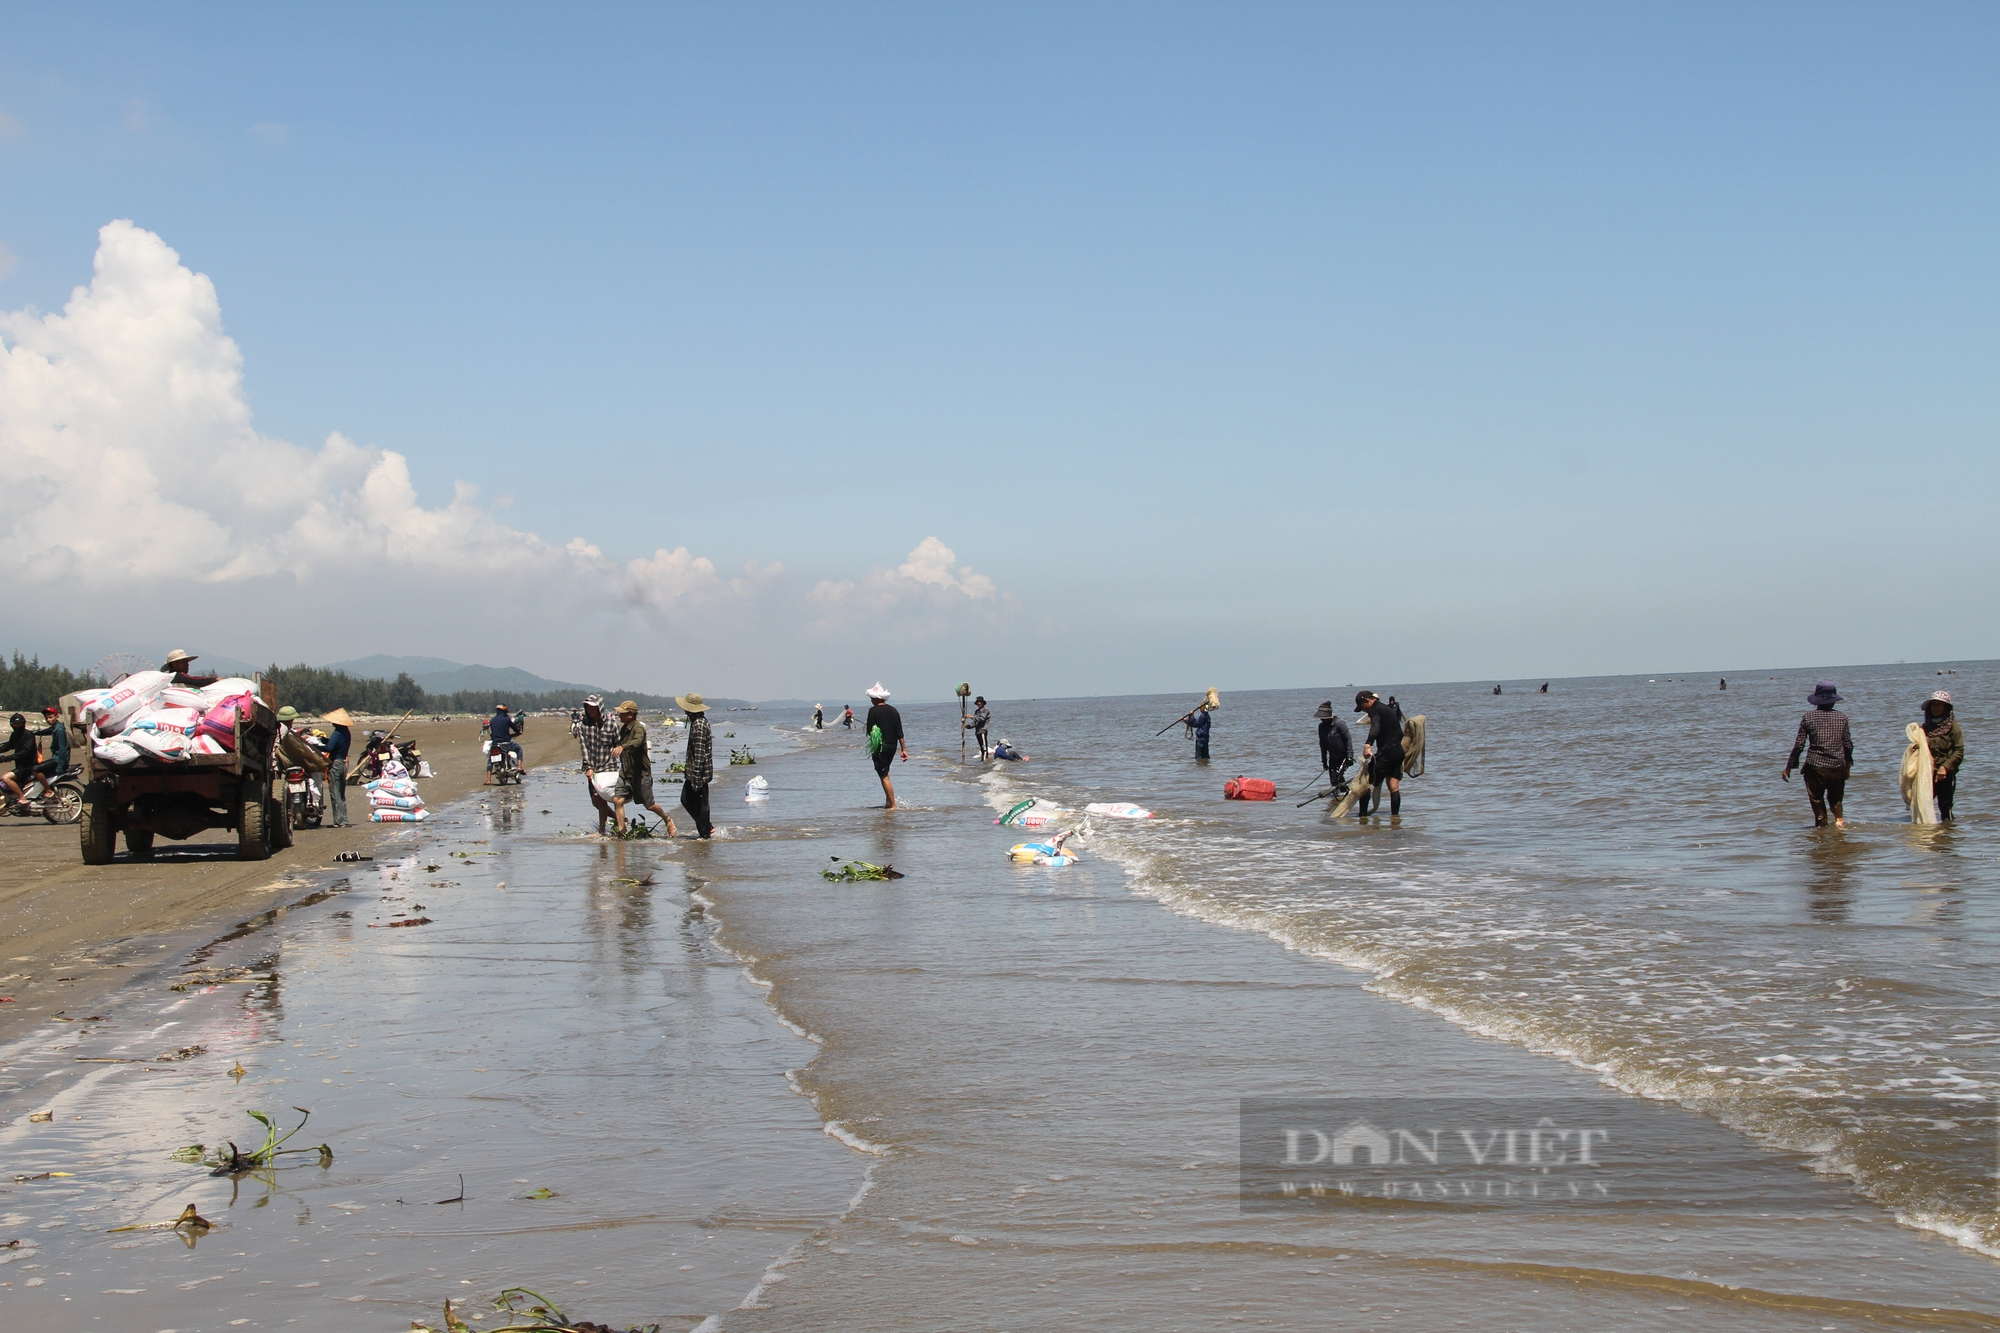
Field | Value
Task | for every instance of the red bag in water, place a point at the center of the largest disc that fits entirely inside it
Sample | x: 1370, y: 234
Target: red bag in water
x: 1249, y: 789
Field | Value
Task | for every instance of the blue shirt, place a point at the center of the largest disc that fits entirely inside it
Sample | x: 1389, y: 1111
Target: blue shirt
x: 503, y: 728
x: 1201, y: 726
x: 341, y: 739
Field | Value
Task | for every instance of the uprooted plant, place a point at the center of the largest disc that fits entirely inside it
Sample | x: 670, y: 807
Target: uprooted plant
x: 858, y: 870
x: 236, y: 1160
x: 543, y: 1315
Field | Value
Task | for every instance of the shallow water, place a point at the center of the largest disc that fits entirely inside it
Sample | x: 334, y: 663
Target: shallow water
x: 1035, y: 1076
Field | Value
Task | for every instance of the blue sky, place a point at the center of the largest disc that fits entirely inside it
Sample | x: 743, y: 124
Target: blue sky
x: 1245, y: 345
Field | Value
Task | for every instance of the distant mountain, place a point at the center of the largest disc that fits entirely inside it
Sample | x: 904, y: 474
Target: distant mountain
x: 438, y: 676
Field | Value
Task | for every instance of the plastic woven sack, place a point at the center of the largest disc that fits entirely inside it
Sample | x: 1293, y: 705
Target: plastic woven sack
x: 398, y: 816
x: 226, y: 688
x: 115, y: 752
x: 111, y: 709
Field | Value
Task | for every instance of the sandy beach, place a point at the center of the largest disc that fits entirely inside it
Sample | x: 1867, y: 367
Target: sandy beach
x: 69, y: 931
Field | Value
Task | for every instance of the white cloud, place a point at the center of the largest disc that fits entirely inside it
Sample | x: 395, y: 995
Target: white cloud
x: 139, y: 487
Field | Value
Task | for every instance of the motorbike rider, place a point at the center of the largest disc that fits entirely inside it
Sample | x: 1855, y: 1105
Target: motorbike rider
x: 27, y: 754
x: 503, y: 729
x: 58, y: 761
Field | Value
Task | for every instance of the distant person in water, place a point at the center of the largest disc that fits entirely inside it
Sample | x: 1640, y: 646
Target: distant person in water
x: 847, y: 716
x: 1197, y: 726
x: 1723, y: 684
x: 1384, y: 750
x: 1947, y: 745
x: 885, y: 739
x: 1828, y: 747
x: 1005, y: 750
x: 1545, y: 687
x: 981, y: 719
x: 819, y: 718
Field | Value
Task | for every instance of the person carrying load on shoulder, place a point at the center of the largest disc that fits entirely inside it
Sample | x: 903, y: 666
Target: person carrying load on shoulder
x: 1947, y: 747
x: 1197, y: 721
x: 1828, y: 746
x: 596, y: 733
x: 884, y: 726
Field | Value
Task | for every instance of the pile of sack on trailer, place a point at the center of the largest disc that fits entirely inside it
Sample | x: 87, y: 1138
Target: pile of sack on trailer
x: 147, y: 716
x: 393, y: 798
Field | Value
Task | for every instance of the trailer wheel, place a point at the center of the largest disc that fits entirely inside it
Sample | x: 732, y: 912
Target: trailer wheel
x: 139, y: 842
x: 251, y: 843
x: 278, y: 817
x: 95, y: 833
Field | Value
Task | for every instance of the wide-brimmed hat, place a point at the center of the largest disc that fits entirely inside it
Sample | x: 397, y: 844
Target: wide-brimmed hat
x: 691, y: 702
x: 1940, y: 697
x: 179, y: 655
x: 876, y: 691
x: 1324, y: 710
x: 338, y: 717
x: 288, y: 714
x: 1824, y: 693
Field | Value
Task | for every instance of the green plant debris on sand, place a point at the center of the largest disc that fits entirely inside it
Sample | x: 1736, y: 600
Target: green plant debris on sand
x: 742, y: 756
x: 543, y: 1314
x: 236, y: 1160
x: 858, y: 870
x: 189, y: 1220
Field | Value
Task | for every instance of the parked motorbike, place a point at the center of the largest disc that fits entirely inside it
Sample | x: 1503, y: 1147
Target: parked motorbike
x: 305, y: 799
x: 59, y: 802
x: 381, y: 746
x: 501, y: 766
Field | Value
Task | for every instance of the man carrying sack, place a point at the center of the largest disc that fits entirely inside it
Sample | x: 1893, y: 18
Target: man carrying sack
x: 635, y: 768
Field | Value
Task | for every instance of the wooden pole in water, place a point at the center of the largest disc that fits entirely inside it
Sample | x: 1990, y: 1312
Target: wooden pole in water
x: 964, y: 693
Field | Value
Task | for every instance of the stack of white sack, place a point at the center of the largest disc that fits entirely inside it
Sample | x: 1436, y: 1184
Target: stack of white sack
x: 393, y: 798
x: 147, y: 716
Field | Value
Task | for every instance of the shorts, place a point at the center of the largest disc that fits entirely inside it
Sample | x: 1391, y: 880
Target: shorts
x: 46, y: 769
x: 883, y: 760
x: 1385, y: 765
x: 638, y: 789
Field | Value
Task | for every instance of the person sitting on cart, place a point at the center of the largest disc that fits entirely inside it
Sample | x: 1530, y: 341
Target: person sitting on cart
x: 177, y: 663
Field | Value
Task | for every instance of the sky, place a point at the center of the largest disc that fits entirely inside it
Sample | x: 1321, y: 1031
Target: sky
x: 771, y: 350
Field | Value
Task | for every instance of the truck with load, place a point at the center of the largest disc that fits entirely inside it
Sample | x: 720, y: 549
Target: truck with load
x: 164, y: 758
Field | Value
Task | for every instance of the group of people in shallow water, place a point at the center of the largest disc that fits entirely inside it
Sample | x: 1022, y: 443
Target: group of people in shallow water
x: 1825, y: 744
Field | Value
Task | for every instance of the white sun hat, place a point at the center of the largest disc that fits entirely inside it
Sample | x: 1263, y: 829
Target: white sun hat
x: 877, y: 692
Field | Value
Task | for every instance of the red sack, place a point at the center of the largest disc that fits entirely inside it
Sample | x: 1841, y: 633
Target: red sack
x: 1249, y: 789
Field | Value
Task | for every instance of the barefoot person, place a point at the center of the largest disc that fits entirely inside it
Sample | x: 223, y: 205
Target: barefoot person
x: 884, y: 726
x: 698, y: 769
x: 1828, y: 747
x: 635, y: 768
x: 1947, y: 746
x: 596, y: 734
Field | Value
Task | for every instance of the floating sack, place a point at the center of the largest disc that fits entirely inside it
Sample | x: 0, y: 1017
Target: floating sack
x: 1042, y: 853
x: 757, y: 790
x: 1249, y: 789
x: 1118, y: 810
x: 398, y: 816
x: 226, y: 688
x: 117, y: 704
x: 1032, y: 813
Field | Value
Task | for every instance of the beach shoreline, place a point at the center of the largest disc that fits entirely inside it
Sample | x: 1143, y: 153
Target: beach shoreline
x: 70, y: 933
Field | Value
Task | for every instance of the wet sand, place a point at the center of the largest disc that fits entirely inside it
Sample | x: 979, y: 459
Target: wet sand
x: 69, y: 932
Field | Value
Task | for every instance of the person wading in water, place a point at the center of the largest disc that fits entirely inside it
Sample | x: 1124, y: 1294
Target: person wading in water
x: 884, y: 726
x: 1336, y: 744
x: 1384, y: 750
x: 1947, y: 746
x: 1828, y: 747
x: 980, y: 720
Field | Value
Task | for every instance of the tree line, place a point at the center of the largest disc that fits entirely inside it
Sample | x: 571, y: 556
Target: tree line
x: 26, y: 684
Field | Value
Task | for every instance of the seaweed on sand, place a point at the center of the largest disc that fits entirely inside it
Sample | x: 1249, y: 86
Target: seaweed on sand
x: 858, y: 870
x: 236, y: 1161
x: 543, y: 1315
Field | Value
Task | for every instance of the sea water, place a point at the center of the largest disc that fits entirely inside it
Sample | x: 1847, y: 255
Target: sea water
x: 1000, y: 1096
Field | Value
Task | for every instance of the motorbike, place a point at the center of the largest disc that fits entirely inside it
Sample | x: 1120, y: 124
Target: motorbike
x: 380, y: 747
x: 501, y: 766
x: 305, y: 799
x: 59, y: 802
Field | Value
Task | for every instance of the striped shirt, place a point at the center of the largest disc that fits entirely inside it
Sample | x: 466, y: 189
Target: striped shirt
x: 597, y: 738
